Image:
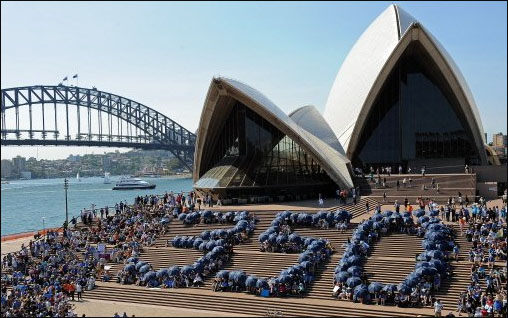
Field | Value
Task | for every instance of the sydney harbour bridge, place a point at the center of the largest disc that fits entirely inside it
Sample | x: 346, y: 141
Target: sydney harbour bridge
x: 75, y: 116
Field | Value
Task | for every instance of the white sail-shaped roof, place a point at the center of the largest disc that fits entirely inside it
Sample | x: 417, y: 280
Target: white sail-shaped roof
x: 367, y: 66
x: 329, y: 158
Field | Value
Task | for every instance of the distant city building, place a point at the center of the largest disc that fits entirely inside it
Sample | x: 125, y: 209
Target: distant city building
x: 26, y: 175
x: 498, y: 140
x: 19, y: 163
x: 72, y: 158
x: 106, y: 163
x: 499, y: 144
x: 7, y: 168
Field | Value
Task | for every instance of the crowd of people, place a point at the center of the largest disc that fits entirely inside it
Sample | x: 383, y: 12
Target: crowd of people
x: 486, y: 294
x: 40, y: 279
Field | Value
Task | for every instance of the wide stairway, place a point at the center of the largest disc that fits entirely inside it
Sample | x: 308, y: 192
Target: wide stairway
x: 449, y: 186
x: 390, y: 260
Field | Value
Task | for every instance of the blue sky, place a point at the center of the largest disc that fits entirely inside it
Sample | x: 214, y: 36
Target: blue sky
x: 165, y: 54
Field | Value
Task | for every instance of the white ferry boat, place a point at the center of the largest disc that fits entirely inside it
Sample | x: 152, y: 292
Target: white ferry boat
x: 128, y: 183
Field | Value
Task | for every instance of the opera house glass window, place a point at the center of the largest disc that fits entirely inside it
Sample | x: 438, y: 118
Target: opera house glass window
x: 251, y: 153
x: 415, y: 117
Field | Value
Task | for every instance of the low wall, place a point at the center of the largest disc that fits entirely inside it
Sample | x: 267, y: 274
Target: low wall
x: 491, y: 181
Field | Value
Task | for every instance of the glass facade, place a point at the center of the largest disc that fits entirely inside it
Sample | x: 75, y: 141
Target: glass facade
x: 251, y: 153
x: 415, y: 117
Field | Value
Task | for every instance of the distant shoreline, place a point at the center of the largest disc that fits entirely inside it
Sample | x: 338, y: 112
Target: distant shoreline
x: 173, y: 176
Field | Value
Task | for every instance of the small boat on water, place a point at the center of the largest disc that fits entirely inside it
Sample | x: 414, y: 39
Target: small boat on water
x: 129, y: 183
x: 77, y: 177
x: 5, y: 182
x: 107, y: 179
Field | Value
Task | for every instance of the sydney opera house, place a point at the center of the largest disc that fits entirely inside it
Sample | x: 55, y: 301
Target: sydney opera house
x: 398, y: 99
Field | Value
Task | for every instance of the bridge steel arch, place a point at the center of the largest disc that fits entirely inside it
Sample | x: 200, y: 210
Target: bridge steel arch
x: 153, y: 130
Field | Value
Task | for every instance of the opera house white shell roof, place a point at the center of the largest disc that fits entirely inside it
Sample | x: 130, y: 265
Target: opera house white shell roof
x: 323, y: 147
x: 369, y: 63
x: 332, y: 142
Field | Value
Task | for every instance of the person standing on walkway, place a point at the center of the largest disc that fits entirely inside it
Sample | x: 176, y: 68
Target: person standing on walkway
x: 367, y: 207
x: 79, y: 290
x: 384, y: 196
x: 438, y: 307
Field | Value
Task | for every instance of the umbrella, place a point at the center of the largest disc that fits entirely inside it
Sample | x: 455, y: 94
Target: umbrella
x: 308, y: 241
x: 406, y: 215
x: 197, y: 242
x: 132, y: 260
x: 434, y: 219
x: 304, y: 218
x: 295, y: 238
x: 129, y: 268
x: 387, y: 213
x: 435, y: 254
x: 182, y: 217
x: 342, y: 276
x: 305, y: 256
x: 427, y: 270
x: 282, y: 238
x: 306, y: 264
x: 174, y: 270
x: 205, y: 235
x: 390, y: 288
x: 341, y: 268
x: 376, y: 225
x: 408, y: 220
x: 251, y: 281
x: 419, y: 213
x: 404, y: 289
x: 412, y: 279
x: 284, y: 278
x: 375, y: 287
x: 207, y: 214
x: 428, y: 245
x: 355, y: 270
x: 262, y: 283
x: 218, y: 250
x: 354, y: 260
x: 272, y: 238
x: 395, y: 215
x: 438, y: 264
x: 210, y: 245
x: 353, y: 281
x: 150, y: 275
x: 423, y: 219
x: 377, y: 217
x: 202, y: 246
x: 361, y: 291
x: 434, y: 213
x: 145, y: 268
x: 176, y: 242
x: 422, y: 264
x: 223, y: 274
x: 162, y: 273
x: 186, y: 270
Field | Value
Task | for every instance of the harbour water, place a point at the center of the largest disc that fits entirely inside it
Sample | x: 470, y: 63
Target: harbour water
x: 25, y: 202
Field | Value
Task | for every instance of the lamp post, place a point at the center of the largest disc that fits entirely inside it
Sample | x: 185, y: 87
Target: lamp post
x: 66, y: 186
x: 43, y: 227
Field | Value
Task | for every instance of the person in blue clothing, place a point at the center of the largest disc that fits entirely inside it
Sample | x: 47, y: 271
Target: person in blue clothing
x: 456, y: 253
